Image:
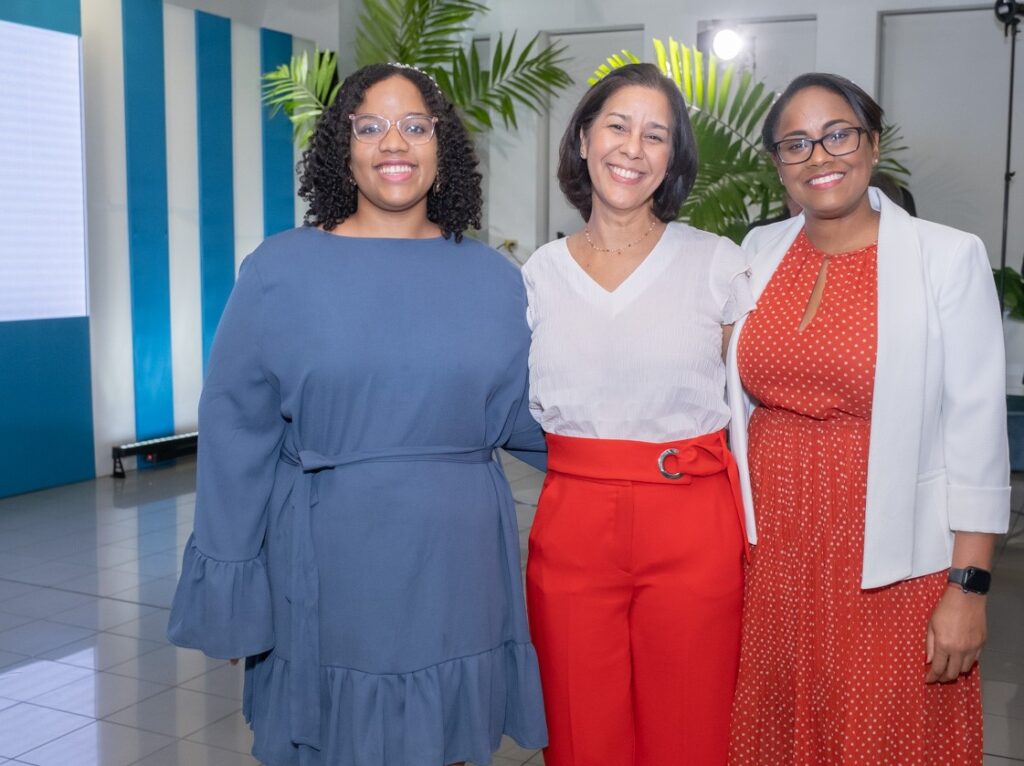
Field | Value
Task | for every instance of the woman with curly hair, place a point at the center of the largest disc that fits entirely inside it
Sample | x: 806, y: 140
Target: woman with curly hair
x: 355, y: 536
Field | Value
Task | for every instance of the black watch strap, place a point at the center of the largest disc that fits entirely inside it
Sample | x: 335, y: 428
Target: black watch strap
x: 971, y: 579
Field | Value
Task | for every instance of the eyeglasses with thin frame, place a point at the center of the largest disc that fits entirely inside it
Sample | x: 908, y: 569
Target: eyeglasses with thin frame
x: 793, y: 151
x: 413, y: 128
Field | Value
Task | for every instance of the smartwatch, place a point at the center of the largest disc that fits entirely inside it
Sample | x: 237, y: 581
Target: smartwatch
x: 971, y: 579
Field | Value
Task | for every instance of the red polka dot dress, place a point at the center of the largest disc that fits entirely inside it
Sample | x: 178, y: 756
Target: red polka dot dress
x: 829, y: 673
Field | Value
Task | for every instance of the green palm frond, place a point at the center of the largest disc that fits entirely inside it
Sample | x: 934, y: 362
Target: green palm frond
x: 1010, y: 286
x: 428, y: 34
x: 417, y: 32
x: 303, y: 89
x: 890, y: 144
x: 527, y: 79
x: 614, y: 61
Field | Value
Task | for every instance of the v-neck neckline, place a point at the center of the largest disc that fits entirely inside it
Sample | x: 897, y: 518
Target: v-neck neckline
x: 635, y: 282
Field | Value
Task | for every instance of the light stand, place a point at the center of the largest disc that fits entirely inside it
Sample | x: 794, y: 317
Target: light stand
x: 1008, y: 12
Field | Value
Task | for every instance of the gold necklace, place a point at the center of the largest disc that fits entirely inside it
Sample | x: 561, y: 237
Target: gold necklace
x: 586, y: 234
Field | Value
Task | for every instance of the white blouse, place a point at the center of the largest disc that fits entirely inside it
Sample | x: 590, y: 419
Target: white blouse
x: 643, y: 361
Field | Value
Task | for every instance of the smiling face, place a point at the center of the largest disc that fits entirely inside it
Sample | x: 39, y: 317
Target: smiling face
x: 825, y: 186
x: 627, y: 148
x: 393, y: 175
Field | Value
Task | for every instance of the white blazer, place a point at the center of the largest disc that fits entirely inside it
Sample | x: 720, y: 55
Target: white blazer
x: 938, y: 461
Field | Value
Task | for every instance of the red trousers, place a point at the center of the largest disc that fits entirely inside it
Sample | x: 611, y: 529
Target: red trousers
x: 634, y: 583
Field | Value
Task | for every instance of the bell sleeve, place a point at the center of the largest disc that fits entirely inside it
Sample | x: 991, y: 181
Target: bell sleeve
x: 222, y: 605
x: 730, y: 282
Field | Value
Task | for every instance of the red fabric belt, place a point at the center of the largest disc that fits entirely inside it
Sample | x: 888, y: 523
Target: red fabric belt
x: 676, y: 462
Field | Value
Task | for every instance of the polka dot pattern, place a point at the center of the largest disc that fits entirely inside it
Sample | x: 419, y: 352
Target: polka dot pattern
x: 829, y: 673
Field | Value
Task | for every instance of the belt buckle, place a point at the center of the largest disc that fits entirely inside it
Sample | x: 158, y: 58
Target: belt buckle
x: 661, y: 464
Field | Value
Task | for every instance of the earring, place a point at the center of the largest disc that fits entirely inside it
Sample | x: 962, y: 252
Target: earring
x: 437, y: 185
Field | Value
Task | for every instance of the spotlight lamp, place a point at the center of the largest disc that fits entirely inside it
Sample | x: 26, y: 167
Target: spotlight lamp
x: 727, y: 44
x: 1008, y: 10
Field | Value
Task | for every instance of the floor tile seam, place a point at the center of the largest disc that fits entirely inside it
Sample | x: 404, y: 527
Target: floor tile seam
x: 172, y: 686
x: 112, y: 597
x: 88, y: 722
x: 40, y: 656
x: 94, y: 721
x: 211, y: 694
x: 109, y: 628
x: 217, y: 747
x: 164, y: 687
x: 175, y: 741
x: 188, y: 737
x: 184, y: 737
x: 95, y: 669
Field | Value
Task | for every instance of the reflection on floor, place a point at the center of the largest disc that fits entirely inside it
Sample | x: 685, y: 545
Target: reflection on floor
x: 87, y: 678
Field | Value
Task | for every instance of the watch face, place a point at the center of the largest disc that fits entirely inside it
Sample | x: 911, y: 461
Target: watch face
x: 976, y: 580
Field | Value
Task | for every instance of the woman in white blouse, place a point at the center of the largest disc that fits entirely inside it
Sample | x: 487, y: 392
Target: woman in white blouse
x: 634, y: 577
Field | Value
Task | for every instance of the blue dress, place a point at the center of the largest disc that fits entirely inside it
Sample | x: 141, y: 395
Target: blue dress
x: 355, y: 537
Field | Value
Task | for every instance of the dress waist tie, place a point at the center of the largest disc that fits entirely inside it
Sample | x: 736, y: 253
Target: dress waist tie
x: 304, y: 586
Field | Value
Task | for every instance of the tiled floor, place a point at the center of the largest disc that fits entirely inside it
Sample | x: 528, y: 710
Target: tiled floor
x: 88, y: 679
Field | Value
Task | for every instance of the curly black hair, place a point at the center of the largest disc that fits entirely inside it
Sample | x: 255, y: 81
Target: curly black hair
x: 573, y: 176
x: 454, y: 202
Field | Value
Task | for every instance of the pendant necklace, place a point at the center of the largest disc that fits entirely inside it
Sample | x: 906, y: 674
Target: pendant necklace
x: 618, y: 250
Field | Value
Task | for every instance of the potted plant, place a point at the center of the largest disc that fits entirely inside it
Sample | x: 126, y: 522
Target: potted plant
x: 428, y: 34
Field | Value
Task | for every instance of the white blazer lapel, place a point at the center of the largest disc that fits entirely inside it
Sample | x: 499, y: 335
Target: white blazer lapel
x: 769, y: 251
x: 898, y: 402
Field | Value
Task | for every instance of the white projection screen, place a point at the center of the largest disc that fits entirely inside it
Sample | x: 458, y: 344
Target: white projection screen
x: 42, y: 184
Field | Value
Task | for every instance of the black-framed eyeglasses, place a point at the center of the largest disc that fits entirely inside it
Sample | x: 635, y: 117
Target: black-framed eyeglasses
x: 793, y: 151
x: 413, y: 128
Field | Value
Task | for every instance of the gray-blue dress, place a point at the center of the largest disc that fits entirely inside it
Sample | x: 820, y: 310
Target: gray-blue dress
x: 355, y: 536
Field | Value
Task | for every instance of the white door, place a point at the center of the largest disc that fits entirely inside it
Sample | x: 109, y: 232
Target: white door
x: 944, y: 79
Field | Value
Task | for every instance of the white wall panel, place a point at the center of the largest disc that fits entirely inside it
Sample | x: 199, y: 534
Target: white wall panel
x: 247, y: 135
x: 945, y: 80
x: 183, y: 214
x: 110, y: 332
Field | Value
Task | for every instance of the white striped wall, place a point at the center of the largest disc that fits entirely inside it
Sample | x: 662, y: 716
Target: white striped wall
x: 113, y: 391
x: 111, y: 341
x: 183, y: 213
x: 247, y: 126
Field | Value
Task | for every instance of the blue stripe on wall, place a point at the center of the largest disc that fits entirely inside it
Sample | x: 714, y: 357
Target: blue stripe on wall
x: 46, y: 389
x: 146, y: 162
x: 278, y: 165
x: 216, y: 199
x: 58, y: 15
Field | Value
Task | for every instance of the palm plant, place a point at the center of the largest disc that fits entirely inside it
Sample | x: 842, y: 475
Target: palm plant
x: 737, y: 182
x: 428, y: 34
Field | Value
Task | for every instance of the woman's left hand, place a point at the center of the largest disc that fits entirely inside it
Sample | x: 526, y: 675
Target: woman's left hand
x: 956, y: 633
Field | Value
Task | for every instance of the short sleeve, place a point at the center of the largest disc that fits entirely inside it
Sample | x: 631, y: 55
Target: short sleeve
x: 730, y: 282
x: 222, y: 604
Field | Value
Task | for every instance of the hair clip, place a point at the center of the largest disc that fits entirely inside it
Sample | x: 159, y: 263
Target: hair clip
x: 437, y: 87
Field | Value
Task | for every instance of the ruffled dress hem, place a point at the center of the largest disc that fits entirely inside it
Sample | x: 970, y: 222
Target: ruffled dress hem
x: 222, y: 608
x: 454, y: 711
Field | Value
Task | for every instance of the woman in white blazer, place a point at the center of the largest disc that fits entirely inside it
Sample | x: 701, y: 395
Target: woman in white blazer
x: 868, y: 422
